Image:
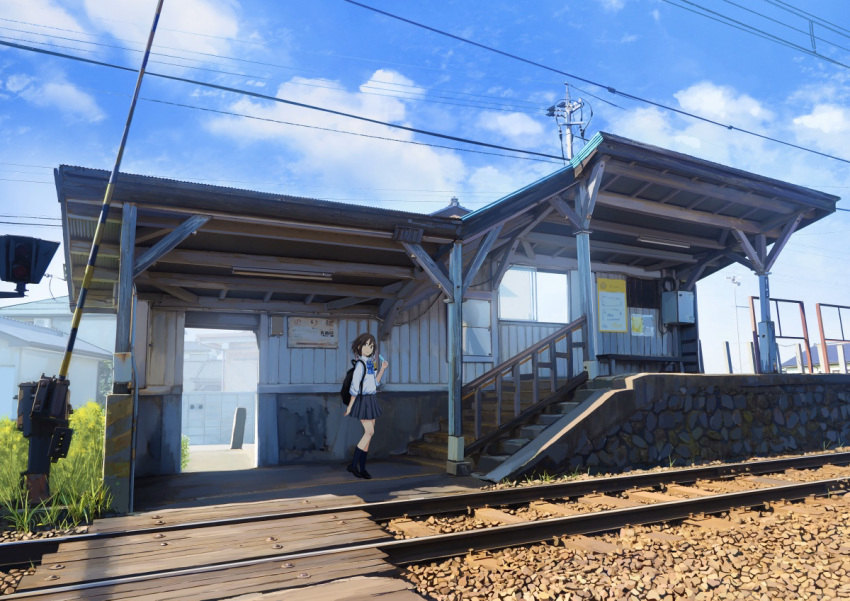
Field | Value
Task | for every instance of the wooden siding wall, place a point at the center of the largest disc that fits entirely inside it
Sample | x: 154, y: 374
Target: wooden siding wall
x: 625, y: 343
x: 165, y: 353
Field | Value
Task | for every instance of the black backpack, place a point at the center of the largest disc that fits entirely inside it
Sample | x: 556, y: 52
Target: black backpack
x: 345, y: 391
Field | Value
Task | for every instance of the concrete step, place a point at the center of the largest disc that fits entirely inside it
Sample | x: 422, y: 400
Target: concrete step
x: 547, y: 419
x: 565, y: 407
x: 487, y: 463
x: 509, y: 446
x: 428, y: 450
x: 531, y: 431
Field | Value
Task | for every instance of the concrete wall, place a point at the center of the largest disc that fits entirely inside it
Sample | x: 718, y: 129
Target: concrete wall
x: 312, y: 427
x: 664, y: 419
x: 208, y: 416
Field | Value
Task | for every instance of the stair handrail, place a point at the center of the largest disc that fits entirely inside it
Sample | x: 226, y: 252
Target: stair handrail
x: 523, y: 356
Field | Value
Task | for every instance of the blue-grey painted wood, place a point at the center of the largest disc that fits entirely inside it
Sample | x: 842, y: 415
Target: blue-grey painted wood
x: 171, y: 240
x: 125, y: 279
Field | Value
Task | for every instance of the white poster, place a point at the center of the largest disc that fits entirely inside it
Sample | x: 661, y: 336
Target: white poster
x: 312, y: 332
x: 643, y: 324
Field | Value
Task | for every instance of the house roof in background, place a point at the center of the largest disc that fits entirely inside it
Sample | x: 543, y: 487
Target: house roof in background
x: 831, y: 352
x: 20, y: 334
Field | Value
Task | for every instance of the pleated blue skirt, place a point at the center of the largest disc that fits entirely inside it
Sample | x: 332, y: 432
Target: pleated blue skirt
x: 366, y: 407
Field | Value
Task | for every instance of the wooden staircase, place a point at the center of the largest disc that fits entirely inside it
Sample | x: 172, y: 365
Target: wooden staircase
x: 503, y: 400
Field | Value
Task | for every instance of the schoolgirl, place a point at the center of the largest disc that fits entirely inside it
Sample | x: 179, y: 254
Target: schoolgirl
x: 364, y: 403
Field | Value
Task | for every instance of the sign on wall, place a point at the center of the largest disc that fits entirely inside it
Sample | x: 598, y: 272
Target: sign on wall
x: 312, y: 332
x: 643, y: 324
x: 613, y: 316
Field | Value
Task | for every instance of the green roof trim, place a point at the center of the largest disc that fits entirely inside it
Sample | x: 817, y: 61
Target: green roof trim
x: 585, y: 152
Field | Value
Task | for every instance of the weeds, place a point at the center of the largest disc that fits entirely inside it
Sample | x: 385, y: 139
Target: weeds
x: 184, y: 452
x: 79, y: 495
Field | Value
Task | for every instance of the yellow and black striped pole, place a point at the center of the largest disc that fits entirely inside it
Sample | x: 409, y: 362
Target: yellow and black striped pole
x: 104, y: 210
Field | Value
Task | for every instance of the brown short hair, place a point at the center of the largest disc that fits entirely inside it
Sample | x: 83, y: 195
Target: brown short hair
x: 360, y: 342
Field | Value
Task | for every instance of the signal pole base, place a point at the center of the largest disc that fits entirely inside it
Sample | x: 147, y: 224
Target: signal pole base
x: 37, y: 487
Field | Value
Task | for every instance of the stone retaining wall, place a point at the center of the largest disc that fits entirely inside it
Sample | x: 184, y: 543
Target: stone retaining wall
x: 678, y: 419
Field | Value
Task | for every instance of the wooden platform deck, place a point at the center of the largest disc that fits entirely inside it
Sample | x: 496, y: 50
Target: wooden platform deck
x: 214, y: 562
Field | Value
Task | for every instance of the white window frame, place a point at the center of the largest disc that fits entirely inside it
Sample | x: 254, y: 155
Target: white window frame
x: 535, y: 310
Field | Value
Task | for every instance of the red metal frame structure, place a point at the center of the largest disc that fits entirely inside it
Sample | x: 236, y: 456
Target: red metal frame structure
x: 824, y: 355
x: 779, y: 334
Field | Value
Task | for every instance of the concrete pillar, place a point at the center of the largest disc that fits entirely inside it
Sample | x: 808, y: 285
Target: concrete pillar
x: 118, y: 451
x: 767, y: 335
x: 456, y: 444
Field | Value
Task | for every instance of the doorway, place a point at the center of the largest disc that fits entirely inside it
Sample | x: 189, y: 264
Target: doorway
x: 220, y: 377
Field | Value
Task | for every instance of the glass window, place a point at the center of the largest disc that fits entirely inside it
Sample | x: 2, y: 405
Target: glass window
x: 526, y: 294
x: 516, y: 295
x: 477, y: 338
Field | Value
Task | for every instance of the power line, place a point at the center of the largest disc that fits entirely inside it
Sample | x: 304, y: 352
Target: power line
x: 610, y: 89
x: 756, y: 31
x: 533, y: 108
x: 283, y: 101
x: 809, y: 16
x: 789, y: 26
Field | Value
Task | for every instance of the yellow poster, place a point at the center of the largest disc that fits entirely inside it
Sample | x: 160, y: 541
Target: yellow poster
x: 611, y: 295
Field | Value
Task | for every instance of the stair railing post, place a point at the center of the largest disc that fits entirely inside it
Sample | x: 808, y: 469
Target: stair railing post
x: 535, y: 382
x: 517, y: 388
x: 477, y: 413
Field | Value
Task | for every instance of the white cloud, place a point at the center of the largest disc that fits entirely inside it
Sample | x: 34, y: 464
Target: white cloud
x: 131, y: 19
x: 517, y: 128
x: 656, y: 15
x: 64, y: 97
x: 628, y: 38
x: 340, y: 160
x: 43, y: 12
x: 826, y: 118
x: 721, y: 103
x: 612, y: 5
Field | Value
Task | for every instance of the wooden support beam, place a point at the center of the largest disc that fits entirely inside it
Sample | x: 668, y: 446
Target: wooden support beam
x: 345, y: 302
x: 480, y: 255
x: 594, y: 183
x: 163, y: 231
x: 742, y: 260
x: 181, y: 293
x: 222, y: 294
x: 161, y: 248
x: 166, y: 301
x: 214, y: 282
x: 567, y: 212
x: 436, y: 272
x: 124, y: 302
x: 267, y: 262
x: 749, y: 250
x: 309, y: 299
x: 527, y: 248
x: 268, y: 296
x: 674, y: 213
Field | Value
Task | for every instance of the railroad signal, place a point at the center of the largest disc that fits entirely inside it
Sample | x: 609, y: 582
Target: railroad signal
x: 23, y: 261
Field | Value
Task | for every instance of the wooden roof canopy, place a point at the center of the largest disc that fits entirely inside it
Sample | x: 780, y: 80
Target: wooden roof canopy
x: 234, y: 250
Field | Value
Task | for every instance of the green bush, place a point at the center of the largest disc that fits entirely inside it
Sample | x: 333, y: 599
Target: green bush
x: 76, y: 482
x: 184, y: 452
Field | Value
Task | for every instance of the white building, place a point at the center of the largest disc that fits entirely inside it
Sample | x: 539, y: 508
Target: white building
x: 27, y: 351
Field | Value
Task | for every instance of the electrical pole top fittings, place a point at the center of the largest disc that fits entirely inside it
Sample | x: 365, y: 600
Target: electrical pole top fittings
x: 44, y: 413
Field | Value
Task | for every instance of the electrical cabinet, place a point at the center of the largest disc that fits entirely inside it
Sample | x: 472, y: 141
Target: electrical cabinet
x: 677, y: 307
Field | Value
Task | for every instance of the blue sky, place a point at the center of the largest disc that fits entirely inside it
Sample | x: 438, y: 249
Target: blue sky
x: 334, y: 54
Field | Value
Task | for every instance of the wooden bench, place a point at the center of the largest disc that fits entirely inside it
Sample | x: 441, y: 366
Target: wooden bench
x: 663, y: 360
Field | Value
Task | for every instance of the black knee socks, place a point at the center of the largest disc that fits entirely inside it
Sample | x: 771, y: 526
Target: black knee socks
x: 362, y: 459
x: 356, y: 459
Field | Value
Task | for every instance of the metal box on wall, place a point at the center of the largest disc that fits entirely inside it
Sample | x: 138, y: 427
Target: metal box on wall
x: 677, y: 307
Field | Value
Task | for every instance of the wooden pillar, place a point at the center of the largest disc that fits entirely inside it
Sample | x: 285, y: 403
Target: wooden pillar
x: 120, y: 406
x: 455, y: 463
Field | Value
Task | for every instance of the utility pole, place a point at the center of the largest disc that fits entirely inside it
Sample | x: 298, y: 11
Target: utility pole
x: 564, y: 113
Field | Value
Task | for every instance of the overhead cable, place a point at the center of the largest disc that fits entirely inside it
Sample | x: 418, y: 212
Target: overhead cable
x: 281, y: 100
x: 610, y: 89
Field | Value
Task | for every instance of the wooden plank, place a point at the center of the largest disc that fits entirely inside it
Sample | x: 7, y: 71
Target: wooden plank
x: 257, y: 578
x: 188, y: 515
x: 412, y: 528
x: 553, y: 508
x: 146, y: 553
x: 607, y: 501
x: 592, y: 545
x: 651, y: 497
x: 161, y: 248
x: 351, y: 589
x: 488, y: 514
x: 687, y: 491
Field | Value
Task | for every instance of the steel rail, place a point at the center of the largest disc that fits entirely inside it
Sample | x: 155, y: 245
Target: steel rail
x: 24, y: 552
x: 432, y: 548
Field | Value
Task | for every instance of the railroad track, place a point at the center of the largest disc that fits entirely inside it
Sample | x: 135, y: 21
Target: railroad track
x: 325, y: 543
